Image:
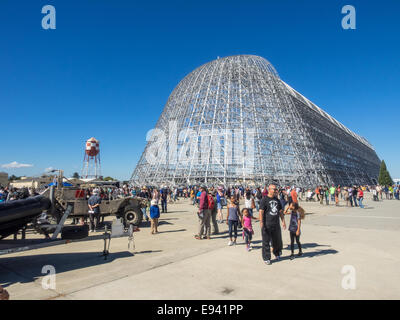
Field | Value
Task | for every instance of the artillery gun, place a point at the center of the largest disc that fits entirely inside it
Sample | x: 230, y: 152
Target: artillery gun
x: 61, y: 202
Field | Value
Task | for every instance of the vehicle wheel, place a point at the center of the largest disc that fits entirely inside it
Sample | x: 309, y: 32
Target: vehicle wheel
x: 133, y: 216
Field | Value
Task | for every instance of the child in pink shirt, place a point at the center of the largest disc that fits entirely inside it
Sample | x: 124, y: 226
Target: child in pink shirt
x: 247, y: 227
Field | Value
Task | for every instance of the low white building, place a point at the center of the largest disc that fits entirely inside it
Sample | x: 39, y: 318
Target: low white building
x: 35, y: 182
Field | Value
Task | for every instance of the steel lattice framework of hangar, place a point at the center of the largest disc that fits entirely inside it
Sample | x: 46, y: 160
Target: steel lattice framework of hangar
x: 292, y: 142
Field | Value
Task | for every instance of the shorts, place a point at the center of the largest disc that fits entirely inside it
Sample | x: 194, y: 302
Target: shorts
x: 219, y: 206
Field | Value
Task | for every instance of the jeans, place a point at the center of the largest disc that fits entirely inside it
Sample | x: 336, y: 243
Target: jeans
x: 233, y: 226
x: 360, y: 202
x: 144, y: 213
x: 164, y: 205
x: 94, y: 220
x: 355, y: 201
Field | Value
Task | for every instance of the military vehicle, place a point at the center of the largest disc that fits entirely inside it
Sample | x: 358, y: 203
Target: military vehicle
x: 127, y: 208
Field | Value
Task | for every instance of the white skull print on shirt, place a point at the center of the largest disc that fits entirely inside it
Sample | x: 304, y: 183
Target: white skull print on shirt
x: 273, y: 207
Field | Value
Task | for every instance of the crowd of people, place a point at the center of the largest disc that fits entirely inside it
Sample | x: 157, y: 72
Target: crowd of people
x: 271, y: 209
x: 220, y: 205
x: 272, y: 204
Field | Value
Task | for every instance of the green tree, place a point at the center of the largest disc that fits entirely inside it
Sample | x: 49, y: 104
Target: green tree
x: 108, y: 179
x: 75, y: 175
x: 13, y: 177
x: 384, y: 175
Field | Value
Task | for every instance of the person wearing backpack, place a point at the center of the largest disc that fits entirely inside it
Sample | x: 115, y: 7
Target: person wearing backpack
x: 213, y: 208
x: 204, y: 215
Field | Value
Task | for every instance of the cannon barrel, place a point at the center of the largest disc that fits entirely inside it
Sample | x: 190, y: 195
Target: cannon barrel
x: 15, y: 214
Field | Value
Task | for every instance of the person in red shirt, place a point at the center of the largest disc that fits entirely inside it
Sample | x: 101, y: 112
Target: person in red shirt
x: 293, y: 194
x: 360, y: 197
x: 204, y: 215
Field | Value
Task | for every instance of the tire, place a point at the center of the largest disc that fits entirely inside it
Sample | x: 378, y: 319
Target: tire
x: 132, y: 215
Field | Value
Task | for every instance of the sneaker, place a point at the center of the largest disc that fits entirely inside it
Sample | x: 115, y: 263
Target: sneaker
x: 268, y: 262
x: 247, y: 247
x: 300, y: 254
x: 278, y: 258
x: 250, y: 247
x: 292, y: 256
x: 230, y: 243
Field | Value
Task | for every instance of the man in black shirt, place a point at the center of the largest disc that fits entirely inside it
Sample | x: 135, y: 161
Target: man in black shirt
x: 270, y: 212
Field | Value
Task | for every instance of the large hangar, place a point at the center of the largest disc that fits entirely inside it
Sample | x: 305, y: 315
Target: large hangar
x: 234, y: 121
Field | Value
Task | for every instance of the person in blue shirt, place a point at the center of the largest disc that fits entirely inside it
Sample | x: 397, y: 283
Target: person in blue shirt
x: 198, y: 197
x: 164, y: 196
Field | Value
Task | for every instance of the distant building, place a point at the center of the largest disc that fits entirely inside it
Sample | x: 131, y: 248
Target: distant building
x: 3, y: 179
x: 396, y: 181
x: 32, y: 182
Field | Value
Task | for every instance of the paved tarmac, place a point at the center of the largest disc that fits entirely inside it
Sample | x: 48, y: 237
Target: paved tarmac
x: 173, y: 265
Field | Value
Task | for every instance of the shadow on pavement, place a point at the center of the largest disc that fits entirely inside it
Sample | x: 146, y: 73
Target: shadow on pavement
x: 28, y: 268
x: 308, y: 245
x: 305, y: 246
x: 147, y: 251
x: 147, y: 224
x: 179, y: 230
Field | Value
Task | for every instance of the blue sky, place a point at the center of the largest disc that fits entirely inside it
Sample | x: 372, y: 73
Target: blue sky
x: 109, y: 66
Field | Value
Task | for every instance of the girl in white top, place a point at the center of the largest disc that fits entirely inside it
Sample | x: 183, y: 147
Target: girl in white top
x: 249, y: 202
